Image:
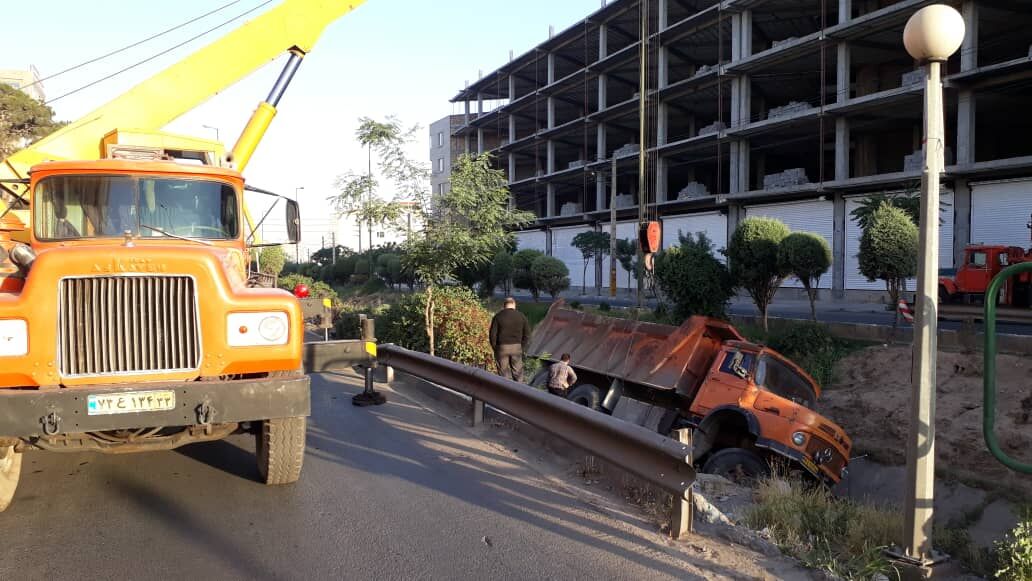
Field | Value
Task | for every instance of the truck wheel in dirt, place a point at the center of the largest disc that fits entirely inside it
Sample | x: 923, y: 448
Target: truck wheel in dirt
x: 10, y: 470
x: 737, y: 465
x: 281, y: 450
x: 587, y: 396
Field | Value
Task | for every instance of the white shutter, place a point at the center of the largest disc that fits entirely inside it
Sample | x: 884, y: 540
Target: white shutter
x: 1000, y: 212
x: 628, y: 231
x: 563, y: 249
x: 713, y: 224
x: 857, y: 281
x: 815, y: 216
x: 531, y: 240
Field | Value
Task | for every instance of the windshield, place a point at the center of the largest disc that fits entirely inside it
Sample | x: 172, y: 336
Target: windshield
x: 89, y: 206
x: 774, y: 376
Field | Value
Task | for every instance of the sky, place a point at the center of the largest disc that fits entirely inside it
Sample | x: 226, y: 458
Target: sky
x: 388, y: 57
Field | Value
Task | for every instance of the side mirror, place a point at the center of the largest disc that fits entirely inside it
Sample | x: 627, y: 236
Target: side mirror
x: 293, y: 222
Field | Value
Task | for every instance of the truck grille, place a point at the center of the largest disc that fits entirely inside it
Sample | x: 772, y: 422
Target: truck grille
x: 127, y: 324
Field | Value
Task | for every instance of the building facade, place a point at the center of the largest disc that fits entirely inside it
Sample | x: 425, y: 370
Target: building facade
x: 27, y: 80
x: 794, y: 109
x: 445, y: 147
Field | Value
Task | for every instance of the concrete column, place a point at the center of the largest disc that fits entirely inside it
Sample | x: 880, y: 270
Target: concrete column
x: 601, y: 192
x: 736, y: 37
x: 600, y: 146
x: 551, y: 68
x: 662, y: 118
x: 842, y: 73
x: 662, y: 14
x: 744, y: 100
x: 550, y: 108
x: 550, y: 159
x: 661, y: 179
x: 841, y: 149
x: 969, y: 48
x: 512, y: 167
x: 512, y: 128
x: 603, y: 85
x: 550, y: 208
x: 838, y: 250
x: 512, y: 88
x: 845, y: 10
x: 745, y: 40
x: 480, y: 141
x: 467, y: 144
x: 743, y: 166
x: 480, y: 104
x: 965, y: 127
x: 662, y: 67
x: 603, y: 41
x: 735, y: 214
x: 961, y: 219
x: 465, y: 114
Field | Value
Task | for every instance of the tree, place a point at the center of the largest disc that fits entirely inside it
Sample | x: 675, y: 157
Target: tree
x: 22, y: 120
x: 692, y: 277
x: 502, y: 270
x: 806, y: 256
x: 888, y: 249
x: 272, y: 259
x: 753, y: 256
x: 324, y: 256
x: 550, y: 275
x: 591, y: 244
x: 626, y: 253
x: 521, y: 277
x: 464, y: 226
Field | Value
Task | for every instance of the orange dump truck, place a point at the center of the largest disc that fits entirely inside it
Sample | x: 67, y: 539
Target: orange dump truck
x: 747, y: 404
x: 126, y: 324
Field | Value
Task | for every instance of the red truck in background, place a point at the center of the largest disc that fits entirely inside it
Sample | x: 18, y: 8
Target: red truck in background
x: 981, y: 263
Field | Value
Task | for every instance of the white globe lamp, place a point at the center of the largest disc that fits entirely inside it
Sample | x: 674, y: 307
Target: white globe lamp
x: 934, y: 33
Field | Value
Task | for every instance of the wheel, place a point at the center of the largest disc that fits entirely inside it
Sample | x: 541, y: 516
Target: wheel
x: 737, y: 465
x: 10, y: 471
x: 540, y: 380
x: 587, y: 396
x: 281, y: 450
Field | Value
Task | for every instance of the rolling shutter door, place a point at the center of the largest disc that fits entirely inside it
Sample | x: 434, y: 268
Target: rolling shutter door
x: 563, y: 249
x: 531, y: 240
x: 815, y: 216
x: 714, y: 224
x: 1000, y: 212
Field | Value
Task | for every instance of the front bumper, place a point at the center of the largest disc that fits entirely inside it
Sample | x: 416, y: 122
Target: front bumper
x: 38, y: 413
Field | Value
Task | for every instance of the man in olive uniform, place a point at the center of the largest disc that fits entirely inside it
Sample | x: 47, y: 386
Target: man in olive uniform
x: 510, y: 333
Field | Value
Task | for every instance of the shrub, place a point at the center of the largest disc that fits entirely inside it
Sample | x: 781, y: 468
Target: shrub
x: 575, y: 305
x: 812, y: 347
x: 289, y: 281
x: 806, y: 256
x: 550, y: 275
x: 696, y: 282
x: 461, y: 326
x: 1014, y: 553
x: 753, y: 254
x: 521, y: 275
x: 888, y: 249
x: 272, y: 259
x: 604, y: 306
x: 502, y: 268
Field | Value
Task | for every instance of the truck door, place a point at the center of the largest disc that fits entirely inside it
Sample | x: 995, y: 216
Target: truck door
x: 975, y: 275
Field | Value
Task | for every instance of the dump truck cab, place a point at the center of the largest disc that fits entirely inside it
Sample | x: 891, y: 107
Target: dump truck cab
x: 749, y: 406
x: 126, y: 324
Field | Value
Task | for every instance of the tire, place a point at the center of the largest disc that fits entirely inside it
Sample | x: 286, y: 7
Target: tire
x: 586, y: 395
x: 10, y: 471
x: 280, y: 450
x: 737, y: 465
x: 540, y: 380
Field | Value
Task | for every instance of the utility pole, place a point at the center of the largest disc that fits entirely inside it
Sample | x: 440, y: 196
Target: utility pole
x: 643, y: 151
x: 612, y: 232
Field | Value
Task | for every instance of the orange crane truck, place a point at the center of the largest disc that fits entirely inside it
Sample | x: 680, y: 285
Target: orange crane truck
x: 982, y: 262
x: 126, y: 320
x: 747, y: 405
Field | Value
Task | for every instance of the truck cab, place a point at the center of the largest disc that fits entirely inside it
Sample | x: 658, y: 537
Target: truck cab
x: 981, y: 263
x: 127, y: 325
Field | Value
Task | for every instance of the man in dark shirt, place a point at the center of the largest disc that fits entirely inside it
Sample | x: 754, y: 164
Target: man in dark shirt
x: 510, y: 333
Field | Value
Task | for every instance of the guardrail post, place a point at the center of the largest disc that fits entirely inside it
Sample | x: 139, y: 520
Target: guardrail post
x: 369, y: 395
x: 681, y: 515
x: 478, y: 412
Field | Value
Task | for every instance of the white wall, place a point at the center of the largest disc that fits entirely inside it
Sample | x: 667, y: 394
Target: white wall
x: 563, y: 249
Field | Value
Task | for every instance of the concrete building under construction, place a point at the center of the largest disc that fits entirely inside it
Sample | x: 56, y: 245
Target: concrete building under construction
x: 794, y: 109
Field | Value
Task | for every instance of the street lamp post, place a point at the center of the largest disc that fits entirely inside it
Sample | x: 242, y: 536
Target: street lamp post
x: 931, y: 35
x: 297, y: 247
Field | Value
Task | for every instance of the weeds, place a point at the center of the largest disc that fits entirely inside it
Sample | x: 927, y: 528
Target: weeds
x: 1014, y: 553
x: 841, y: 537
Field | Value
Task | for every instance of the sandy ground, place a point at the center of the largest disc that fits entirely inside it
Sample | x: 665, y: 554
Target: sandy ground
x: 870, y: 398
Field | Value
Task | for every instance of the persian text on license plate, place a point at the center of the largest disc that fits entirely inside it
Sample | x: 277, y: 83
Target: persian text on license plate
x: 131, y: 402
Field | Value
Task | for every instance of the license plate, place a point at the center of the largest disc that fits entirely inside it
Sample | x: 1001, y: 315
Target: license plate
x: 130, y: 402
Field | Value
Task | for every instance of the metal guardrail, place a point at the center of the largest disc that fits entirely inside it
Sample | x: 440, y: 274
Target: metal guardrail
x: 654, y: 457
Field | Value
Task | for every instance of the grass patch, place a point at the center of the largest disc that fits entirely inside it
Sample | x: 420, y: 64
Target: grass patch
x: 841, y: 537
x: 534, y: 312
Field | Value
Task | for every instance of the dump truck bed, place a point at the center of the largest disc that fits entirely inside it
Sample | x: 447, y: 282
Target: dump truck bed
x: 653, y: 355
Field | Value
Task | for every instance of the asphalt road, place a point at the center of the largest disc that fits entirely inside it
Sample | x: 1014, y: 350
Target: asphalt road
x: 394, y: 492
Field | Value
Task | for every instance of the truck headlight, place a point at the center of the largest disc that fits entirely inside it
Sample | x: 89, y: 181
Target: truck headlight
x: 14, y: 338
x: 257, y: 329
x: 798, y: 438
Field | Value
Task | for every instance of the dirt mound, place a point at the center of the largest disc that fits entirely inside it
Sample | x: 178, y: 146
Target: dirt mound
x: 870, y: 398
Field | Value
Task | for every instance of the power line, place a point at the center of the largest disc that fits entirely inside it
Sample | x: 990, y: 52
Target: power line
x: 162, y: 53
x: 129, y: 46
